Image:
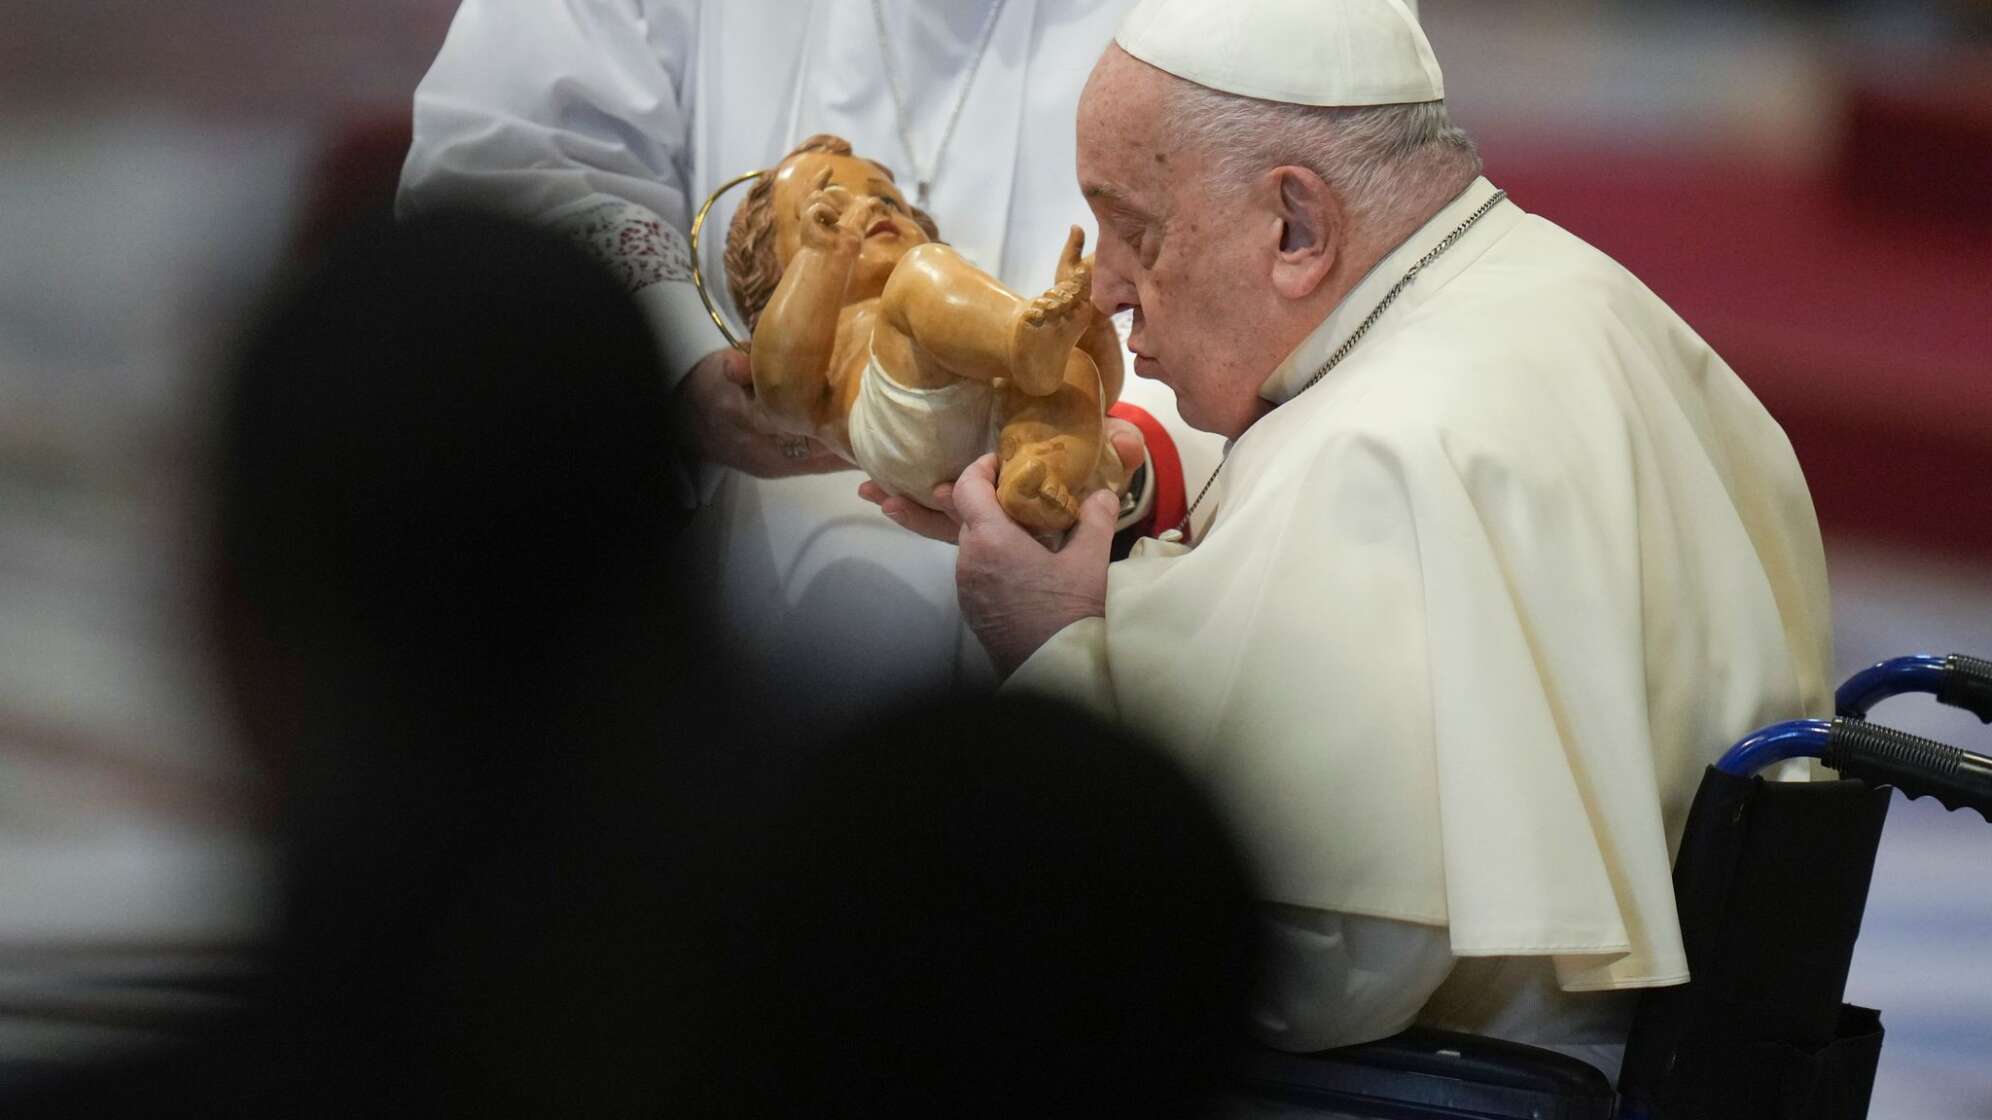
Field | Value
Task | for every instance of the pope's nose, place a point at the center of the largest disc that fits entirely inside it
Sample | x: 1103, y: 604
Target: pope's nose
x: 1112, y: 294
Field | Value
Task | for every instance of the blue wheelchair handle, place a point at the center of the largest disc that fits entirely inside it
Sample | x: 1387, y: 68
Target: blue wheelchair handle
x: 1780, y: 742
x: 1959, y: 680
x: 1876, y: 755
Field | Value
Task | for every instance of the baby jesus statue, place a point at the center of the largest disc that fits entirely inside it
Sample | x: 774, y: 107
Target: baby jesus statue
x: 887, y: 345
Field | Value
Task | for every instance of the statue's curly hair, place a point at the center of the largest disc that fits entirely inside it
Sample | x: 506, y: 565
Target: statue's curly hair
x: 752, y: 269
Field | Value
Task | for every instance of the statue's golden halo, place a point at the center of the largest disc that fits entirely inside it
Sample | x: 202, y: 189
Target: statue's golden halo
x: 698, y: 273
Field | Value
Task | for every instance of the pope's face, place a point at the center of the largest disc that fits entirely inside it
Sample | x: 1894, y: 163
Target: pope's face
x: 1193, y: 268
x: 888, y: 226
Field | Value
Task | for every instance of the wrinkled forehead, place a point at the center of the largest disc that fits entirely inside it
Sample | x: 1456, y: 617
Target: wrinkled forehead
x: 1123, y: 140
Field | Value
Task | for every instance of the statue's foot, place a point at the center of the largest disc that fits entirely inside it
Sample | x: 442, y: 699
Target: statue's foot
x: 1032, y: 493
x: 1046, y: 329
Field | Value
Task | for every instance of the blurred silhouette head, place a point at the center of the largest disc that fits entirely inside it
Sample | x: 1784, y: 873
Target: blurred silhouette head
x: 442, y: 603
x: 441, y: 469
x: 984, y: 908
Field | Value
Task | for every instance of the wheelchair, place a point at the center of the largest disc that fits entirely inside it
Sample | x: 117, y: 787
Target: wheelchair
x: 1761, y: 1031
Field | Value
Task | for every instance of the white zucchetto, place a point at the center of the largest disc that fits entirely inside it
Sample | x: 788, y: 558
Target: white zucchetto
x: 1303, y: 52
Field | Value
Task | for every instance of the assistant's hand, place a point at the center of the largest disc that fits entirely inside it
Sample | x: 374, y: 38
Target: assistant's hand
x: 716, y: 419
x: 943, y: 523
x: 1015, y: 593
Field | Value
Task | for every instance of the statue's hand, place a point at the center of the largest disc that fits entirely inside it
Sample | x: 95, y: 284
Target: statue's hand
x: 821, y: 227
x: 826, y: 213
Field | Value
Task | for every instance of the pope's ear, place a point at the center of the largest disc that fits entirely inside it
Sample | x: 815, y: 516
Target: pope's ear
x: 1311, y: 225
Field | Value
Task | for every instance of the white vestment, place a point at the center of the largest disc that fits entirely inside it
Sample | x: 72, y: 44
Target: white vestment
x: 1475, y: 610
x: 616, y: 120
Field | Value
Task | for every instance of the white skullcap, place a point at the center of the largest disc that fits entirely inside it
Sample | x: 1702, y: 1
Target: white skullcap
x: 1303, y: 52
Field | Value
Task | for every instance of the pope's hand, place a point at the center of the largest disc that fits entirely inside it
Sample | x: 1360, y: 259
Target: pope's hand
x: 1016, y: 593
x: 718, y: 421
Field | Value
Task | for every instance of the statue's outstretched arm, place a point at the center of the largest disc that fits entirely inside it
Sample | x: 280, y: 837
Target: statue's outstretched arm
x: 796, y: 334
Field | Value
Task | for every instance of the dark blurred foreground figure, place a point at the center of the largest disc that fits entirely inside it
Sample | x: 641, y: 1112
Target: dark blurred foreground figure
x: 991, y: 908
x: 528, y: 873
x: 442, y: 590
x: 439, y: 598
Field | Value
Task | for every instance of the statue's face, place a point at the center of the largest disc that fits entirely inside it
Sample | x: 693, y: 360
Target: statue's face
x: 889, y: 228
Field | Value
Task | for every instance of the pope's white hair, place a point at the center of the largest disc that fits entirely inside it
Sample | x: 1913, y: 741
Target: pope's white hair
x: 1381, y: 160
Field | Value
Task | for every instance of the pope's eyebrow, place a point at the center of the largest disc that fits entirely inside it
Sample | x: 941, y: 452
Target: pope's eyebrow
x: 1118, y: 204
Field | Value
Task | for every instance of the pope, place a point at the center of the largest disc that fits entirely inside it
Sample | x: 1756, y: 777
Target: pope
x: 1500, y: 556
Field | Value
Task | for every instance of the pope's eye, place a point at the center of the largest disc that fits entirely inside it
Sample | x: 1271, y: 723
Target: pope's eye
x: 890, y: 202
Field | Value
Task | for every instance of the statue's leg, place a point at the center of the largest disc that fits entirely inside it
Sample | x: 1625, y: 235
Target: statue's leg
x: 960, y: 322
x: 1100, y: 341
x: 1053, y: 450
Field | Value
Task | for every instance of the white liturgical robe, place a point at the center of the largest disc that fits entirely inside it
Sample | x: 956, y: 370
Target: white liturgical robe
x: 615, y: 120
x: 1475, y: 610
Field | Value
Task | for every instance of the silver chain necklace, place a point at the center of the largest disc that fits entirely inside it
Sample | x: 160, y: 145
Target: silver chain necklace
x: 923, y: 176
x: 1183, y: 527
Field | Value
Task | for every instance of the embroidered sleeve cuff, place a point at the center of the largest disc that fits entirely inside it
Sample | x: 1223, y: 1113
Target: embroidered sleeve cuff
x: 654, y: 263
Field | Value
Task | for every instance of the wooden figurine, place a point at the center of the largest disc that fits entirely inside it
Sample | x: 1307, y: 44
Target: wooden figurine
x: 874, y: 337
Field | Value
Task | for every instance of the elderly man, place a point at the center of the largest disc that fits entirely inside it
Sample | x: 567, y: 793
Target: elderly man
x: 1500, y: 555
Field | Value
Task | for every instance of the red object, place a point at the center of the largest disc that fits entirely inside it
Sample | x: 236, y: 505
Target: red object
x: 1917, y: 143
x: 1164, y: 462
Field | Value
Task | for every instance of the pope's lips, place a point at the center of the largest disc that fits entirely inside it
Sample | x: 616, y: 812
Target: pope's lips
x: 1144, y: 362
x: 883, y: 226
